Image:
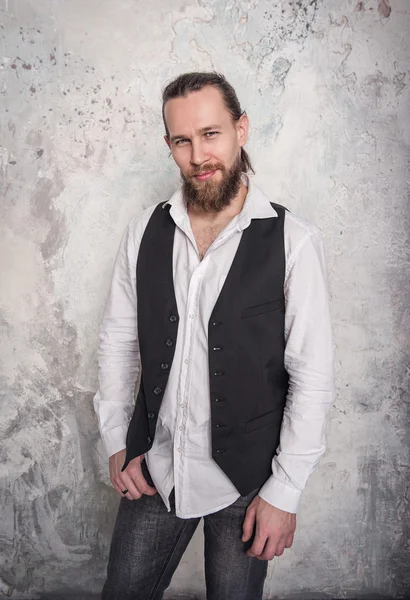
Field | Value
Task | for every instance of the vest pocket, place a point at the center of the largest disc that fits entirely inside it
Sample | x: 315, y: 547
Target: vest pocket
x: 263, y: 308
x: 261, y: 421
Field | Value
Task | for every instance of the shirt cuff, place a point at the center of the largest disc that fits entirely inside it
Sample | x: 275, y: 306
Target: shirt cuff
x: 280, y: 495
x: 115, y: 439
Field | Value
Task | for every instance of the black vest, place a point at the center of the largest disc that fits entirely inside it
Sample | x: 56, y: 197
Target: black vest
x: 248, y: 380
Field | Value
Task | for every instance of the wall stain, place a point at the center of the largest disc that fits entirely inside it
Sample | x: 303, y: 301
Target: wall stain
x: 384, y: 8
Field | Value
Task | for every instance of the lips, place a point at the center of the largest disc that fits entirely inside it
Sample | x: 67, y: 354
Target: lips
x: 205, y: 176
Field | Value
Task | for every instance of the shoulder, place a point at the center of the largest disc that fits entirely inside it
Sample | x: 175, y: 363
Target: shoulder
x: 137, y: 225
x: 298, y: 233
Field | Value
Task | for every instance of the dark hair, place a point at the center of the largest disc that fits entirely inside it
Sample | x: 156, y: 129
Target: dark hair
x: 194, y: 82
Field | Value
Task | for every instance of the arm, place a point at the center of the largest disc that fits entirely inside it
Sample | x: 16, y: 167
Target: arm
x: 119, y: 365
x: 118, y: 354
x: 309, y: 362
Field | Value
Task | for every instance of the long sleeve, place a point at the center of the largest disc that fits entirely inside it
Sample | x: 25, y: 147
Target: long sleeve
x: 118, y: 354
x: 309, y: 362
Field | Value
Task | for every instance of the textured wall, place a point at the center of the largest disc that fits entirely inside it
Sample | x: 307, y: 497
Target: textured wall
x: 326, y: 87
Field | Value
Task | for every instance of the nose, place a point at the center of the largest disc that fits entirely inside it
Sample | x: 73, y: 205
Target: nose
x: 198, y: 153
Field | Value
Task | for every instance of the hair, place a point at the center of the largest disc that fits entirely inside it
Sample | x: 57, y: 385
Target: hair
x: 194, y: 82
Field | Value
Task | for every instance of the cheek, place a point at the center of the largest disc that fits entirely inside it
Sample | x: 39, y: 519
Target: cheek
x: 226, y: 151
x: 181, y: 159
x: 218, y: 153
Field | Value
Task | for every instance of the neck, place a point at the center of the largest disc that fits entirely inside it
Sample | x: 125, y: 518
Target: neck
x: 227, y: 213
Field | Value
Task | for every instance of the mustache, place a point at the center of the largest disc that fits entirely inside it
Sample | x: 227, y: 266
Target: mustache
x: 206, y: 169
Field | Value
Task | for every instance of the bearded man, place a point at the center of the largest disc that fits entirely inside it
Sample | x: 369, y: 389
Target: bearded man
x: 219, y: 307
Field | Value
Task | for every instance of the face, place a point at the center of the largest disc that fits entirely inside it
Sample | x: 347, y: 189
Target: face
x: 206, y: 143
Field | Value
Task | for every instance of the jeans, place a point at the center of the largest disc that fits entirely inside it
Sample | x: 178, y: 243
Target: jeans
x: 148, y: 543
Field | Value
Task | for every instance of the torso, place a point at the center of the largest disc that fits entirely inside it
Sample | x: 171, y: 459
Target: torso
x: 205, y: 235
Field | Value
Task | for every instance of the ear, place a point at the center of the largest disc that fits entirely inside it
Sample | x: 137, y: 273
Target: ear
x: 242, y: 129
x: 167, y: 141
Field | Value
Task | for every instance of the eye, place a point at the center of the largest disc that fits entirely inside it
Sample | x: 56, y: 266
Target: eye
x: 211, y: 134
x: 181, y: 141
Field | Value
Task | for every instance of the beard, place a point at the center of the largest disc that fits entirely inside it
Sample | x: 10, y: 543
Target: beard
x: 212, y: 196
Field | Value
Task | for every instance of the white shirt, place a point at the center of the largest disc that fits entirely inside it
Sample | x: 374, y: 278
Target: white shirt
x: 181, y: 453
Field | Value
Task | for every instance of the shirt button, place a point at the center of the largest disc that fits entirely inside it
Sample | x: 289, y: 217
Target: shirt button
x: 157, y: 390
x: 164, y: 366
x: 169, y: 342
x: 151, y: 415
x: 181, y: 428
x: 191, y: 316
x: 179, y: 449
x: 182, y: 405
x: 172, y: 318
x: 186, y: 361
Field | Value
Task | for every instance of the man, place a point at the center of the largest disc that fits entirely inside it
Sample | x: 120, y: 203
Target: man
x: 219, y: 304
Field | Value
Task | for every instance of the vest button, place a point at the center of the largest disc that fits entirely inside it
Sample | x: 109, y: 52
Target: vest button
x: 220, y: 450
x: 151, y: 415
x: 164, y: 366
x: 172, y: 318
x: 217, y: 348
x: 157, y: 390
x: 215, y: 323
x: 219, y: 399
x: 169, y: 342
x: 219, y: 373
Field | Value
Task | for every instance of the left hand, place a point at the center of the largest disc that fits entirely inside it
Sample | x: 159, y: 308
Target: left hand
x: 274, y: 529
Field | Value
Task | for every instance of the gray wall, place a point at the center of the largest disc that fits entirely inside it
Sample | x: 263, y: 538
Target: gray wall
x: 326, y: 86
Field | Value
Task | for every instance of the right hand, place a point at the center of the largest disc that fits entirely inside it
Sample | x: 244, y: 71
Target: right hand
x: 131, y: 478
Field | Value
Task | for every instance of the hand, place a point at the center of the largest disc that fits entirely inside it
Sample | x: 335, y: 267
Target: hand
x: 131, y: 478
x: 274, y: 529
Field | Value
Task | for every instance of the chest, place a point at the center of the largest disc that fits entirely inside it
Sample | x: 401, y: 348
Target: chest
x: 205, y: 235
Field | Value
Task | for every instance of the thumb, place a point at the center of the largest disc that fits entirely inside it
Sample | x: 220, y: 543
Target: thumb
x: 248, y: 524
x: 150, y: 490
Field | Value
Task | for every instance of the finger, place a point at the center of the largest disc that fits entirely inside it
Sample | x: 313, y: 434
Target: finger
x: 270, y: 550
x: 120, y: 489
x: 258, y: 543
x: 289, y: 540
x: 128, y: 484
x: 281, y: 545
x: 147, y: 489
x: 248, y: 524
x: 140, y: 482
x: 117, y: 485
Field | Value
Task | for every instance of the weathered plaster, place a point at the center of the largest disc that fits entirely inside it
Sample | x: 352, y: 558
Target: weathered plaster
x: 326, y: 86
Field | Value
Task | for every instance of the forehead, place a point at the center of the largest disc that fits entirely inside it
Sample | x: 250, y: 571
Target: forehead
x: 196, y: 110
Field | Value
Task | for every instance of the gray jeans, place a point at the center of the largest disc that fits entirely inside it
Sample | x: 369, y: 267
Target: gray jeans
x: 148, y: 543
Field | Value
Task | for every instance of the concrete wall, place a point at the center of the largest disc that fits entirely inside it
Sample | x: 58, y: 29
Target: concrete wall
x: 326, y: 86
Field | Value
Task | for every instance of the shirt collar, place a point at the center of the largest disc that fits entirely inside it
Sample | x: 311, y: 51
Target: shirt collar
x: 256, y: 206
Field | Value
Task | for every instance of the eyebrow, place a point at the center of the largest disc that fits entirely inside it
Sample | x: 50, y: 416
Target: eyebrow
x: 201, y: 131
